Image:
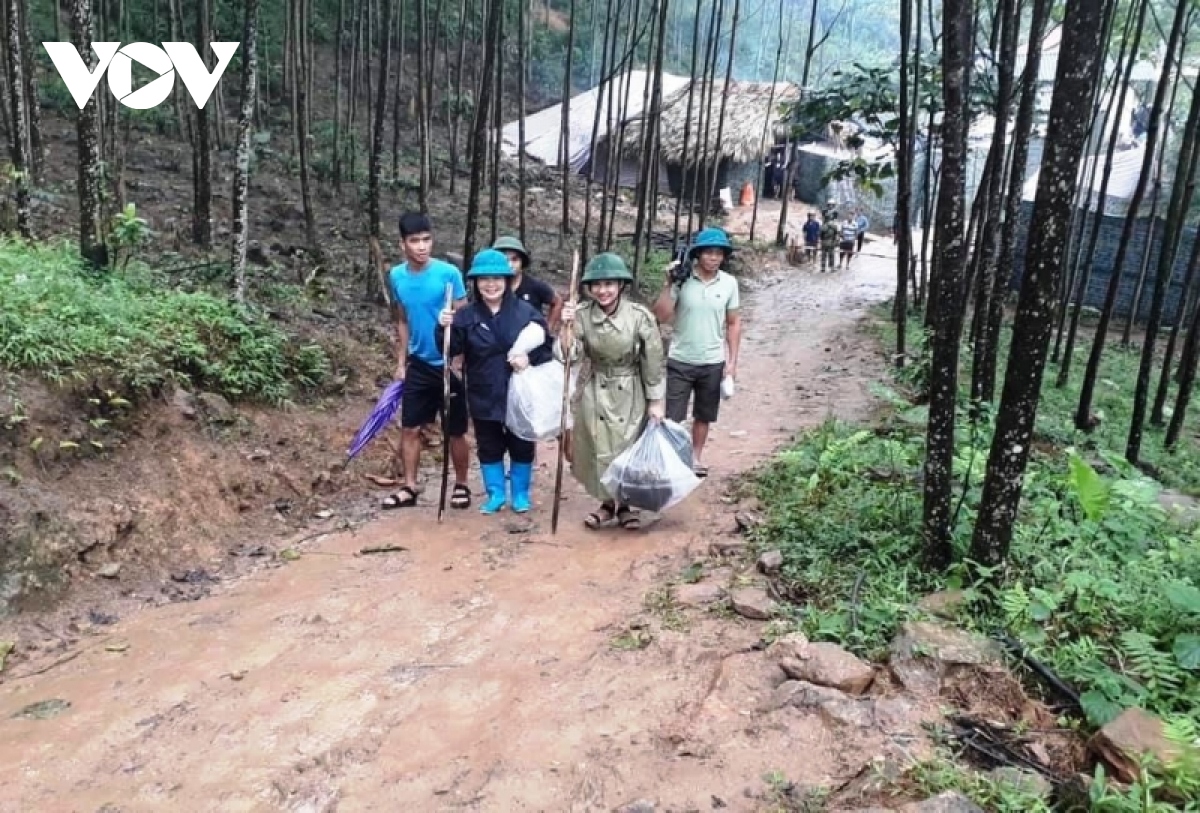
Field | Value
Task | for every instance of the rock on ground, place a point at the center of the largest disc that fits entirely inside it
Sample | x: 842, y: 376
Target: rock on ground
x: 701, y: 594
x: 828, y: 664
x: 1133, y: 733
x: 754, y: 603
x: 948, y: 802
x: 923, y: 651
x: 771, y: 561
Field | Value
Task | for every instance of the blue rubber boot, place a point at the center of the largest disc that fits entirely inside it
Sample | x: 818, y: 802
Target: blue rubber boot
x: 493, y: 483
x: 522, y: 476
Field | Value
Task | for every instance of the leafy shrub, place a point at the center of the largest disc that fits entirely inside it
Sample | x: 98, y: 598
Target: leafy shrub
x: 135, y: 335
x: 1100, y: 583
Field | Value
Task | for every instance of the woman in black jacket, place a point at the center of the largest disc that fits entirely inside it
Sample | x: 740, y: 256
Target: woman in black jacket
x: 484, y: 333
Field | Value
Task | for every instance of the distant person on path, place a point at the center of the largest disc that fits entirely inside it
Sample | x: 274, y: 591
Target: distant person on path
x: 830, y: 211
x: 621, y: 389
x: 829, y: 241
x: 861, y: 224
x: 419, y: 289
x: 769, y: 177
x: 705, y: 309
x: 812, y: 237
x: 484, y: 333
x: 544, y: 299
x: 849, y: 234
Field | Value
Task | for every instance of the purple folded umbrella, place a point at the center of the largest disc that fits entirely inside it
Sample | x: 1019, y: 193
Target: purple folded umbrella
x: 380, y: 417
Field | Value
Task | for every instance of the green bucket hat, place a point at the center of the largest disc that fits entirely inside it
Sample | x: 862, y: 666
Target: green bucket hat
x: 513, y: 244
x: 489, y: 263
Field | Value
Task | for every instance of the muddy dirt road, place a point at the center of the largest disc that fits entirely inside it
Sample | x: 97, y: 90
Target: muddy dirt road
x: 489, y: 667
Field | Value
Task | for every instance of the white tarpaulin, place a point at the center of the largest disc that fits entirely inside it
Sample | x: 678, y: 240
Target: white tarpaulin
x: 542, y: 129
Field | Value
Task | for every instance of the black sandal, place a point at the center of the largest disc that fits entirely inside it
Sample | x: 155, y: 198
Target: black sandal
x: 406, y: 497
x: 460, y: 497
x: 600, y: 517
x: 629, y: 519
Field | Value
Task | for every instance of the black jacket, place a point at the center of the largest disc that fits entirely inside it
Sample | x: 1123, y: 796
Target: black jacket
x: 484, y: 339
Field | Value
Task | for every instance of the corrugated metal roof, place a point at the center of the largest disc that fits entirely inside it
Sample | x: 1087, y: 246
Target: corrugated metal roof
x: 543, y: 129
x: 1127, y: 168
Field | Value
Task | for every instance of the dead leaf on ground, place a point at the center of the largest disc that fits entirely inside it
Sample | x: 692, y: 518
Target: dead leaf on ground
x: 289, y: 554
x: 379, y: 480
x: 117, y: 647
x: 43, y: 709
x: 6, y: 647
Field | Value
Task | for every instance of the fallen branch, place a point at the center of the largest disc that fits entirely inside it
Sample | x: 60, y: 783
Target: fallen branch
x: 64, y: 659
x: 1041, y: 670
x: 384, y: 548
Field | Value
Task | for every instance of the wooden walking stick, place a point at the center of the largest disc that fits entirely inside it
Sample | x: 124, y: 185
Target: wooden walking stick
x: 569, y: 336
x: 445, y: 406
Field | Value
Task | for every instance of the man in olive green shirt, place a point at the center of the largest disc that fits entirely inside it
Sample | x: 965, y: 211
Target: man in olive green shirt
x: 705, y: 308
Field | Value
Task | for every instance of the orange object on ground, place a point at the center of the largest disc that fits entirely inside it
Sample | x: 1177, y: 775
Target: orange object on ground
x: 747, y: 198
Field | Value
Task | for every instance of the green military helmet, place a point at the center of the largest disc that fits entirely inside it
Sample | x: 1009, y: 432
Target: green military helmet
x: 513, y: 244
x: 606, y: 266
x: 490, y: 263
x: 711, y: 237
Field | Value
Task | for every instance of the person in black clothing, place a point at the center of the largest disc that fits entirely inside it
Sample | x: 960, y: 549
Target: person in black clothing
x: 529, y: 289
x: 484, y: 334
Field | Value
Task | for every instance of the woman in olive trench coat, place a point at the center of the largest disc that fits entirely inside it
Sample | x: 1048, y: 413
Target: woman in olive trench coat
x: 624, y: 386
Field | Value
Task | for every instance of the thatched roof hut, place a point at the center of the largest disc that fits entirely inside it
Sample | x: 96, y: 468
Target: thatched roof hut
x: 749, y: 107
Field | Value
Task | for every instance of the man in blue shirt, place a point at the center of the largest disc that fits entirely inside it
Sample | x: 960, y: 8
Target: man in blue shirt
x: 418, y: 287
x: 812, y: 238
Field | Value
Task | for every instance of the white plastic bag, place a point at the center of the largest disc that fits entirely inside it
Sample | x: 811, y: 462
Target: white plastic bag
x: 727, y: 388
x: 651, y: 474
x: 534, y: 410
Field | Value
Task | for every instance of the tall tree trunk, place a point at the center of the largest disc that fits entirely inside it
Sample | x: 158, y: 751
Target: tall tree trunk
x: 1083, y: 412
x: 946, y: 298
x: 1182, y: 308
x: 376, y: 161
x: 1187, y: 361
x: 685, y: 156
x: 606, y: 70
x: 91, y: 240
x: 20, y: 136
x: 1088, y: 254
x: 522, y: 75
x: 810, y: 48
x: 1009, y: 18
x: 494, y: 131
x: 647, y: 206
x: 483, y: 106
x: 564, y: 137
x: 37, y: 153
x: 706, y: 155
x: 1022, y: 129
x: 456, y: 99
x: 338, y: 79
x: 241, y: 172
x: 1078, y: 71
x: 202, y: 180
x: 904, y: 159
x: 397, y: 101
x: 300, y: 133
x: 766, y: 148
x: 1182, y: 193
x: 733, y: 26
x: 425, y: 115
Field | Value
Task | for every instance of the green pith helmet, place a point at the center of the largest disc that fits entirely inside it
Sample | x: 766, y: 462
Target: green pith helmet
x: 490, y: 263
x: 513, y: 244
x: 711, y: 238
x: 606, y: 266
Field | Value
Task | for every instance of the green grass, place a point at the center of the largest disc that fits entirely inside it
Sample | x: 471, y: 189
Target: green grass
x: 1101, y: 584
x: 133, y: 334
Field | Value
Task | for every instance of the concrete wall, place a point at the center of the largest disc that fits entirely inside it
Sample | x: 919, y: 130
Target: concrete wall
x: 1106, y: 250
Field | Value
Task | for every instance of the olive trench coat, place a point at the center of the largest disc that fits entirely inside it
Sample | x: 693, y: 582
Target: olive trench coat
x: 626, y: 370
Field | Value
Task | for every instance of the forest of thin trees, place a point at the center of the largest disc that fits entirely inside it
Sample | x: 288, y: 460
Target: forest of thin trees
x: 380, y: 98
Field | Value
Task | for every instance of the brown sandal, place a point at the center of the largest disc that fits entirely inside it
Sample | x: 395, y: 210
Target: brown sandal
x: 629, y: 519
x: 600, y: 517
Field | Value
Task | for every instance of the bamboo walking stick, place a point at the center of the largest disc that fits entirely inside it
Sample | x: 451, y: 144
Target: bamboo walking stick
x: 445, y: 406
x: 569, y: 336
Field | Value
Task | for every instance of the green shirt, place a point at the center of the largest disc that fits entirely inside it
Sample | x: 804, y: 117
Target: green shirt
x: 701, y: 309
